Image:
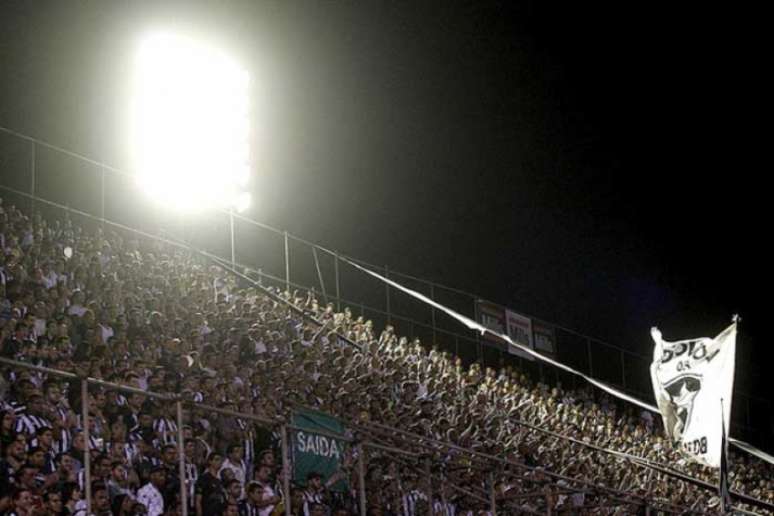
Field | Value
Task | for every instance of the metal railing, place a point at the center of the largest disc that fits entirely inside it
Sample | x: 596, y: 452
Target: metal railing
x: 384, y: 446
x: 51, y: 173
x: 411, y: 451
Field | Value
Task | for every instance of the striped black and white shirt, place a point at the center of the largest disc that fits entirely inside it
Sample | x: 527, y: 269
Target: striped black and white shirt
x: 49, y: 466
x: 247, y: 509
x: 249, y: 441
x: 309, y: 499
x: 18, y: 407
x: 166, y: 428
x: 62, y: 413
x: 410, y: 502
x: 129, y: 450
x: 30, y: 424
x: 444, y: 508
x: 62, y: 442
x: 191, y: 476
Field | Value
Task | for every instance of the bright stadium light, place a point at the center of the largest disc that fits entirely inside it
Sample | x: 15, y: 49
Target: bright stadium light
x: 190, y: 124
x: 243, y: 202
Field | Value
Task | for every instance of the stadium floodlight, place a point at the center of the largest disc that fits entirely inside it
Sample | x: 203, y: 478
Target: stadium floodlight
x: 243, y: 202
x: 190, y: 124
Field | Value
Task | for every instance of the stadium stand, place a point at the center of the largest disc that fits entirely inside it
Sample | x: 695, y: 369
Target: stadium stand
x: 161, y: 318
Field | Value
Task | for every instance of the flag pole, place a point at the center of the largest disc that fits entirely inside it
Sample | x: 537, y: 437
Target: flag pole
x: 723, y: 490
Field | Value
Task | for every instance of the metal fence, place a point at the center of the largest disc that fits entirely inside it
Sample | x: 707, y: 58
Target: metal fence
x: 35, y: 171
x: 425, y: 457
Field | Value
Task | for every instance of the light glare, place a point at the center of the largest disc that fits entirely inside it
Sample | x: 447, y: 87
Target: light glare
x: 243, y: 202
x: 190, y: 124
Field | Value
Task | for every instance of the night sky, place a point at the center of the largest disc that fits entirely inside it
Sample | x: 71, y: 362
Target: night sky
x: 594, y: 165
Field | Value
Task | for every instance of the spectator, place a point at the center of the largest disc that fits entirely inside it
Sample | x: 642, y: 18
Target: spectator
x: 314, y: 492
x: 209, y: 492
x: 100, y: 505
x: 32, y: 418
x: 23, y: 503
x: 7, y: 427
x: 150, y: 495
x: 118, y: 484
x: 232, y: 509
x: 233, y: 491
x: 72, y: 497
x: 251, y: 504
x: 53, y: 505
x: 267, y: 498
x: 44, y: 438
x: 122, y: 505
x: 167, y: 321
x: 235, y: 463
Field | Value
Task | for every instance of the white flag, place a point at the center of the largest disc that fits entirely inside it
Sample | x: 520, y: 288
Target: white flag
x: 690, y: 377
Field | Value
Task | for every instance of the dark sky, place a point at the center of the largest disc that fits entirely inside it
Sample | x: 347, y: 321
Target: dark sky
x: 593, y: 164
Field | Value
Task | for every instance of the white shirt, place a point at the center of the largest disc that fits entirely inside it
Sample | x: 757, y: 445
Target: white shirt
x: 39, y: 328
x: 106, y: 331
x: 238, y: 469
x: 50, y: 280
x: 266, y: 493
x: 151, y: 498
x: 76, y: 310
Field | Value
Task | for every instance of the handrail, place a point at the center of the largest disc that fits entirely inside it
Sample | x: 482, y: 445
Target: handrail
x: 415, y: 438
x: 109, y: 168
x: 267, y: 227
x: 432, y: 284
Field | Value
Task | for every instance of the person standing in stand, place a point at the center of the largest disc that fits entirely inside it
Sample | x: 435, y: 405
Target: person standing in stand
x: 210, y: 497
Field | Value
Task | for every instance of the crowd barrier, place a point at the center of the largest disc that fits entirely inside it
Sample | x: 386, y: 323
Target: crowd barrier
x: 411, y: 451
x: 42, y: 174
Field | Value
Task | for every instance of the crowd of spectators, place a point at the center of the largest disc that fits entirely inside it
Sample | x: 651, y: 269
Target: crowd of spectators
x: 160, y: 318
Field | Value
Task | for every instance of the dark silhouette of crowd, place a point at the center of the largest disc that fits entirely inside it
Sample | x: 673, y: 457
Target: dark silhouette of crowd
x: 161, y: 318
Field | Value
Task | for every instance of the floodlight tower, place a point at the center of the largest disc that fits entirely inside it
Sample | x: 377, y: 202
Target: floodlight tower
x: 190, y: 127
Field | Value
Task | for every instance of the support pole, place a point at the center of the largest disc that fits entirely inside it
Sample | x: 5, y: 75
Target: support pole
x: 588, y: 351
x: 492, y: 495
x: 549, y: 500
x: 432, y: 312
x: 287, y: 262
x: 387, y: 295
x: 233, y: 240
x: 319, y: 273
x: 623, y: 370
x: 361, y: 477
x: 747, y: 418
x: 181, y: 459
x: 87, y: 447
x: 102, y: 196
x: 286, y: 470
x: 479, y: 345
x: 429, y: 476
x: 32, y: 178
x: 338, y: 284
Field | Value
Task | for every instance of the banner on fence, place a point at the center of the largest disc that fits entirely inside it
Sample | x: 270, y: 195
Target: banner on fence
x: 317, y: 453
x: 492, y: 317
x: 519, y: 329
x: 544, y: 339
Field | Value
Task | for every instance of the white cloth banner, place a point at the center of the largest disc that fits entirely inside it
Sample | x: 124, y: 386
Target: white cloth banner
x: 693, y: 381
x: 473, y: 325
x: 519, y: 329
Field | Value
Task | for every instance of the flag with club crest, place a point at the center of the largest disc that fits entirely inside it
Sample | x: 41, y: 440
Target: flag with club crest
x: 690, y: 377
